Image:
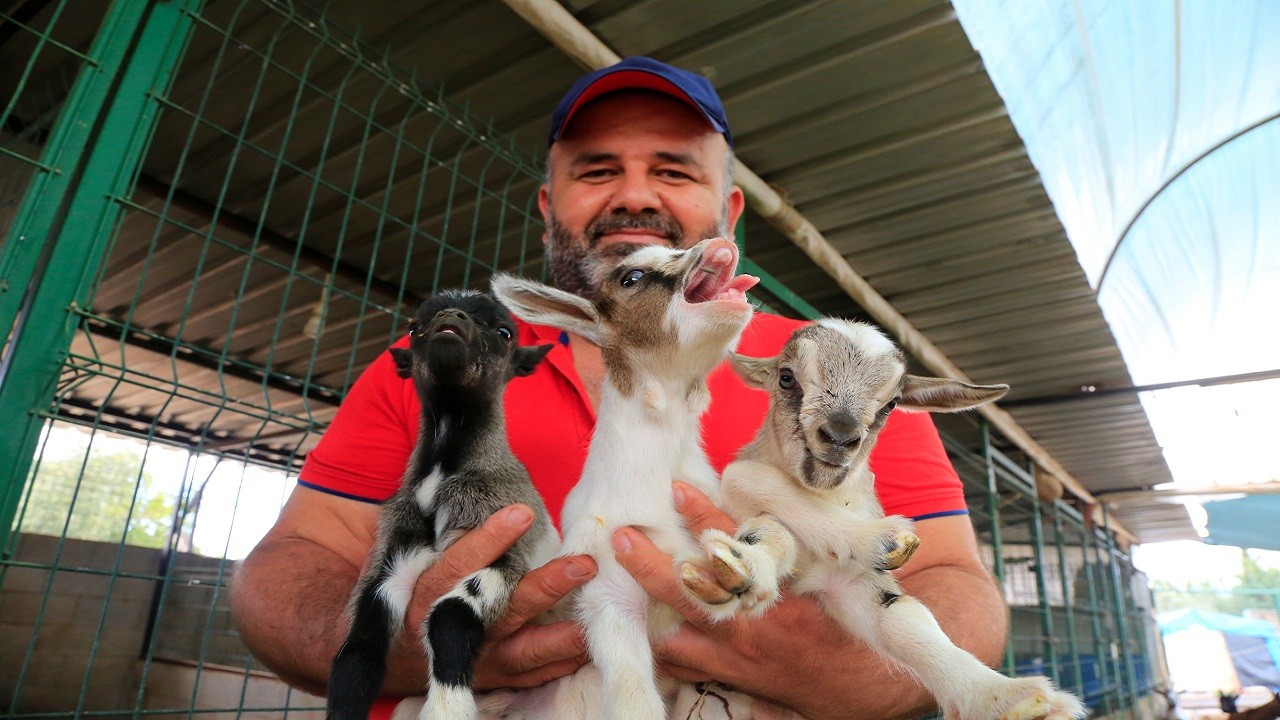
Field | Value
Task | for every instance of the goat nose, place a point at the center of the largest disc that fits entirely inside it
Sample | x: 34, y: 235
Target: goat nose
x: 452, y: 312
x: 842, y: 430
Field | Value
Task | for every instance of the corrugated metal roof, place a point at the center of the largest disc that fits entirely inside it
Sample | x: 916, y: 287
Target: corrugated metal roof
x: 874, y: 118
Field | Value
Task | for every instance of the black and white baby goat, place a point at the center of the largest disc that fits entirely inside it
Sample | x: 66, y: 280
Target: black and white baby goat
x: 462, y: 352
x: 805, y: 497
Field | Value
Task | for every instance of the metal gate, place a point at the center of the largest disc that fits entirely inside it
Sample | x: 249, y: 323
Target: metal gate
x: 214, y: 215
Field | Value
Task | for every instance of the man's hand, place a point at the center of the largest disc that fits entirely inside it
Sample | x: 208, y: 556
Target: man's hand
x: 795, y: 655
x: 288, y: 598
x: 516, y: 653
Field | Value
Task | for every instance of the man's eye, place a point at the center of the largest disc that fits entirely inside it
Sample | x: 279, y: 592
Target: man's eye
x: 631, y: 278
x: 786, y: 379
x: 504, y: 333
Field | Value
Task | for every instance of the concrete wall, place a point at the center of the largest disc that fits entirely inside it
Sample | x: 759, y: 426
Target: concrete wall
x: 89, y: 620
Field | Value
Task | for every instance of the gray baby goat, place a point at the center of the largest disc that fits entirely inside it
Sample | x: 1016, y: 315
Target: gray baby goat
x: 805, y: 497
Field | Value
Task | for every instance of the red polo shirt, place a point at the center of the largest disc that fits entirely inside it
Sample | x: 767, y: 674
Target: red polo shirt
x: 549, y: 423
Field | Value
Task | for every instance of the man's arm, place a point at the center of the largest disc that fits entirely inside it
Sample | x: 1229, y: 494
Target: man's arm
x: 289, y: 598
x: 799, y: 658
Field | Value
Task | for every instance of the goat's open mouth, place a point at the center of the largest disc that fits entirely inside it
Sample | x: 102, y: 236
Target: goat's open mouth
x: 448, y: 329
x: 713, y: 279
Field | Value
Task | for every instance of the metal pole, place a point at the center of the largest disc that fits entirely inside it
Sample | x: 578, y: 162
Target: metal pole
x: 1042, y: 585
x: 64, y: 228
x: 1122, y: 619
x: 1068, y: 602
x: 997, y: 549
x: 1101, y: 647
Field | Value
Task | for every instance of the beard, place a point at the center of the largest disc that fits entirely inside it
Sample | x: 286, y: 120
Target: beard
x: 578, y: 265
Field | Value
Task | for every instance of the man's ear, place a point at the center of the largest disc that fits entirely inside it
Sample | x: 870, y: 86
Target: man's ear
x: 525, y: 359
x: 545, y: 305
x: 930, y: 394
x: 754, y: 371
x: 404, y: 362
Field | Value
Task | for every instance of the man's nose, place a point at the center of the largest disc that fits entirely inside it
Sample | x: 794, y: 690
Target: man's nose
x: 635, y: 194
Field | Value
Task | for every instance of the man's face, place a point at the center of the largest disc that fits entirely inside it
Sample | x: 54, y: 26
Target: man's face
x: 632, y: 169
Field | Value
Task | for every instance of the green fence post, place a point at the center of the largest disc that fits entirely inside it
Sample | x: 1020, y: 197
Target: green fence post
x: 60, y: 236
x: 1101, y: 646
x: 997, y: 549
x: 1068, y: 601
x: 1122, y: 623
x: 1042, y: 585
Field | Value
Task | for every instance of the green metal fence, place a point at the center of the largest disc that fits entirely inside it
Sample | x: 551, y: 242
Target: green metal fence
x: 214, y: 215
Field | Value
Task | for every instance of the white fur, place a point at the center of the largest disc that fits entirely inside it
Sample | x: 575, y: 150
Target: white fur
x: 643, y: 441
x: 397, y: 590
x: 427, y: 490
x: 844, y: 539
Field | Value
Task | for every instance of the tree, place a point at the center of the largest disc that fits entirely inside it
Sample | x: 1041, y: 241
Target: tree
x: 1230, y: 600
x: 91, y: 497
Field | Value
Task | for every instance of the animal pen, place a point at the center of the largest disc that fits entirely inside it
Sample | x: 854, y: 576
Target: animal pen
x: 214, y: 215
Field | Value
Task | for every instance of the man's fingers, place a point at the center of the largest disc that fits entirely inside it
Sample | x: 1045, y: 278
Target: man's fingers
x: 474, y: 551
x: 655, y: 572
x: 531, y: 656
x: 541, y: 588
x: 698, y: 512
x: 539, y: 676
x: 682, y: 673
x: 536, y: 645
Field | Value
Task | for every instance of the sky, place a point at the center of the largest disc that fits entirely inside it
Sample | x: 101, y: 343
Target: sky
x: 1154, y: 128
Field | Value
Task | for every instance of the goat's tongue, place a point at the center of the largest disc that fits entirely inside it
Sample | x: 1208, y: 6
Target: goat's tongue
x: 714, y: 279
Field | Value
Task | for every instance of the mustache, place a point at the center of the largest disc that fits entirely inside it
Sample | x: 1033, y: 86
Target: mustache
x: 665, y: 225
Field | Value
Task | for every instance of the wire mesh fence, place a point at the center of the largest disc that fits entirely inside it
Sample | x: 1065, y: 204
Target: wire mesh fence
x: 257, y: 201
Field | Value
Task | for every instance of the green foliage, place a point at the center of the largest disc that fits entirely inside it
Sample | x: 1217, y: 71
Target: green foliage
x: 91, y: 496
x: 1233, y: 600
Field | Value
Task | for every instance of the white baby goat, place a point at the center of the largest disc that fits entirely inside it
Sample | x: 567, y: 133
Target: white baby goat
x: 663, y: 320
x: 805, y: 481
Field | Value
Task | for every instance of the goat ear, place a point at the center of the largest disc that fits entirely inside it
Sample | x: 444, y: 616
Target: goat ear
x: 545, y: 305
x: 525, y: 359
x: 404, y: 362
x: 930, y: 394
x: 754, y: 371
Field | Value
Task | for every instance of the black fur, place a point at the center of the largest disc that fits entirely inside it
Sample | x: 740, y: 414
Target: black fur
x: 456, y: 634
x: 462, y: 352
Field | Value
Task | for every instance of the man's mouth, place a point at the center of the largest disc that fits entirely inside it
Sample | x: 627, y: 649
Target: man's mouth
x: 713, y: 279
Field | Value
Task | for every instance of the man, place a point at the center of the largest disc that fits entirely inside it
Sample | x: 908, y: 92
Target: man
x: 640, y: 154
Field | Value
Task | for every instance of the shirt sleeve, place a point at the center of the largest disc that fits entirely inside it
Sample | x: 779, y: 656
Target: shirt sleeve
x: 914, y: 476
x: 363, y: 453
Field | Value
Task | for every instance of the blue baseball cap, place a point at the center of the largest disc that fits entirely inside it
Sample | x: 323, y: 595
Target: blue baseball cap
x: 642, y: 73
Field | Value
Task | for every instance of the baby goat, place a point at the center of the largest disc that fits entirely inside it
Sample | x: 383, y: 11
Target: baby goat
x: 663, y: 320
x: 462, y: 351
x: 805, y: 481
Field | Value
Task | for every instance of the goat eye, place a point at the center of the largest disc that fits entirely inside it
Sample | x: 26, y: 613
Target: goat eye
x: 888, y: 408
x: 786, y: 379
x: 504, y: 333
x: 631, y: 278
x: 415, y: 329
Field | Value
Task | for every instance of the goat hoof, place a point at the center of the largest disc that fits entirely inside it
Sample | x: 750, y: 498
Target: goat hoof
x: 727, y: 564
x: 899, y: 548
x: 703, y: 585
x: 1035, y: 707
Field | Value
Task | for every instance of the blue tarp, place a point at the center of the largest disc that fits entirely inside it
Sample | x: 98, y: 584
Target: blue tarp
x: 1254, y: 664
x: 1248, y: 522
